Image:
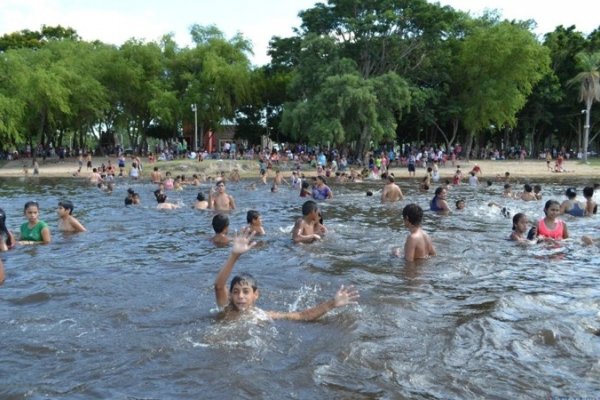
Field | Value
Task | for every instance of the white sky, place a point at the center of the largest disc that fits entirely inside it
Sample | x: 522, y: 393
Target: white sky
x: 115, y: 21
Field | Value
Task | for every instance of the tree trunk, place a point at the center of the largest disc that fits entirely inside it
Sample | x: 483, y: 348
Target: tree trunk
x: 468, y: 144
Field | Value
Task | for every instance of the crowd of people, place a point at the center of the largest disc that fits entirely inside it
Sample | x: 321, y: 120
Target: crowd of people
x: 243, y: 290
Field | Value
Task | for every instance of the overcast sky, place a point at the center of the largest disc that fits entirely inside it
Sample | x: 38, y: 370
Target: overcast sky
x: 115, y: 21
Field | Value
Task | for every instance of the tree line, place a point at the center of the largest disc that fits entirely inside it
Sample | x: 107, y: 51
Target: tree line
x: 356, y: 72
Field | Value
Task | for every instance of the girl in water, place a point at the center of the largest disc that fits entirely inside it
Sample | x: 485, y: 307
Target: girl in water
x: 519, y: 228
x: 7, y: 240
x: 34, y: 230
x: 551, y: 227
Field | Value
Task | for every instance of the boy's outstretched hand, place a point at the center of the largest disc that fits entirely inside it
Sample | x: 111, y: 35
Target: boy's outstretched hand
x: 346, y: 296
x: 242, y: 243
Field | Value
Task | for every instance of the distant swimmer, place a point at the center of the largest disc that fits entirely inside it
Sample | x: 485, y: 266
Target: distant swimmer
x: 391, y: 191
x: 439, y: 203
x: 243, y: 291
x: 591, y: 207
x: 571, y: 206
x: 201, y: 202
x: 163, y: 204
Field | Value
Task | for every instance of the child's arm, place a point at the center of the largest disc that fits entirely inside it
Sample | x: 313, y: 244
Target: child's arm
x: 46, y: 236
x: 241, y: 244
x: 298, y: 237
x: 343, y: 297
x: 75, y: 224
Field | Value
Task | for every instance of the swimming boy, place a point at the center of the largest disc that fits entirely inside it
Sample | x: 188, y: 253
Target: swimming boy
x: 254, y: 223
x: 219, y: 200
x: 220, y: 224
x: 591, y: 207
x: 66, y: 221
x: 305, y: 229
x: 243, y: 291
x: 391, y: 192
x: 418, y: 243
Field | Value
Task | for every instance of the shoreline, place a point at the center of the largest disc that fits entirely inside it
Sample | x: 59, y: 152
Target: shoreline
x: 492, y: 170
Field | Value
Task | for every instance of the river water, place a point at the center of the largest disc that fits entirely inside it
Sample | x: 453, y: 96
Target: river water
x: 127, y: 309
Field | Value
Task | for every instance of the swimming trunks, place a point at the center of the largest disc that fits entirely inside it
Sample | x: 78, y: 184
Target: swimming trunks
x: 33, y: 234
x: 556, y: 233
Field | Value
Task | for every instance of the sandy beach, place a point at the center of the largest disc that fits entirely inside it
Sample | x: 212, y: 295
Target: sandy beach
x: 527, y: 170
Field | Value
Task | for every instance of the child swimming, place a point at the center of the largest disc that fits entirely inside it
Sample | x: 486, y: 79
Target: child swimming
x: 519, y: 228
x: 418, y: 243
x: 66, y: 221
x: 34, y: 230
x: 254, y: 221
x: 243, y: 291
x: 550, y: 227
x: 7, y: 239
x: 220, y: 224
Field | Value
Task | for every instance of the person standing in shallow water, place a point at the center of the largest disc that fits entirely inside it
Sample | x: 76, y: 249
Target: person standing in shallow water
x: 219, y: 199
x: 418, y: 244
x: 321, y: 191
x: 34, y: 230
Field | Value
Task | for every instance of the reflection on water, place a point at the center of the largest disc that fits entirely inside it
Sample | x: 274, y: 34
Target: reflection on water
x: 127, y: 310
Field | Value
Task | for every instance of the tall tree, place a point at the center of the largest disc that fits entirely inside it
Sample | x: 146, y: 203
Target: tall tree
x: 498, y: 65
x: 589, y: 89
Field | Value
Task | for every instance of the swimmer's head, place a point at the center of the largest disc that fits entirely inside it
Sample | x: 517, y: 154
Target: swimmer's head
x: 30, y: 204
x: 413, y: 214
x: 220, y: 223
x: 252, y: 215
x: 519, y: 217
x: 2, y: 220
x: 527, y: 188
x: 571, y: 193
x: 369, y: 193
x: 489, y: 183
x: 243, y: 292
x: 549, y: 204
x: 537, y: 189
x: 67, y: 205
x: 588, y: 192
x: 507, y: 186
x: 460, y: 204
x: 200, y: 197
x: 309, y: 207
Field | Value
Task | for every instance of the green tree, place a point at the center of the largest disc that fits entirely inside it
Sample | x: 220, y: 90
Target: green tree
x: 589, y: 89
x: 498, y: 66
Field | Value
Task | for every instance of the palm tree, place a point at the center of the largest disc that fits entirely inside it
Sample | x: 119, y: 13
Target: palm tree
x: 589, y: 90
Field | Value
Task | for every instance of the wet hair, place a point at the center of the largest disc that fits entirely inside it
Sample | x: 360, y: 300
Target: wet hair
x: 549, y: 204
x: 220, y: 222
x: 322, y: 178
x: 588, y: 191
x: 369, y: 193
x: 3, y: 228
x: 459, y: 201
x: 414, y: 214
x: 308, y: 207
x: 490, y: 183
x: 67, y: 205
x: 200, y: 197
x: 527, y: 188
x: 571, y: 193
x: 160, y: 197
x: 516, y: 218
x: 390, y: 178
x: 439, y: 191
x: 252, y: 215
x: 507, y: 186
x: 29, y: 204
x: 156, y: 168
x: 244, y: 279
x: 537, y: 188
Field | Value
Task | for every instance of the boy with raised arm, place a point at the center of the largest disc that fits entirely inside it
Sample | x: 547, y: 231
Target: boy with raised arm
x: 243, y: 291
